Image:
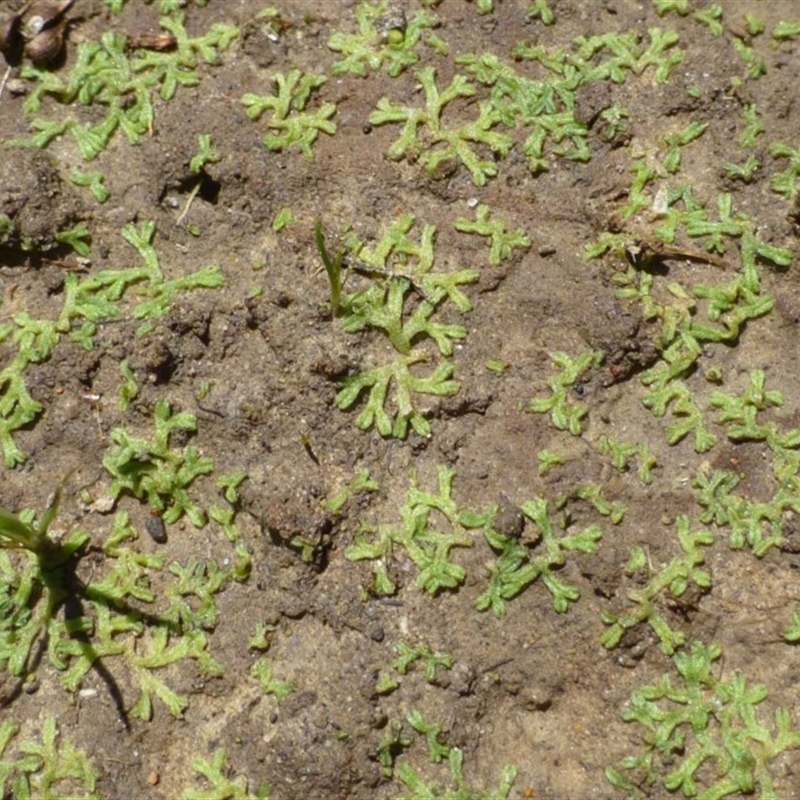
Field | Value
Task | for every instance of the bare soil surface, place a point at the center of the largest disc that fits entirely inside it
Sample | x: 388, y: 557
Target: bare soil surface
x: 260, y: 359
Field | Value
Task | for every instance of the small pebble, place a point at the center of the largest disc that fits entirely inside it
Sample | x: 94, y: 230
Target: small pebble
x: 155, y: 527
x: 509, y: 520
x: 103, y: 505
x: 17, y: 87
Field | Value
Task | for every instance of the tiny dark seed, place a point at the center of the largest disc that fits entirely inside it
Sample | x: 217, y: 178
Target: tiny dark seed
x: 155, y: 527
x: 377, y: 634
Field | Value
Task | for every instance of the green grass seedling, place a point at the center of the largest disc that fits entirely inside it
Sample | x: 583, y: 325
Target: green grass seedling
x: 484, y: 6
x: 785, y: 182
x: 77, y: 238
x: 290, y: 124
x: 18, y: 534
x: 518, y: 565
x: 754, y: 127
x: 283, y: 219
x: 262, y: 672
x: 791, y: 633
x: 540, y: 9
x: 622, y: 453
x: 401, y: 300
x: 457, y: 143
x: 217, y: 774
x: 786, y: 30
x: 663, y: 7
x: 501, y: 242
x: 129, y: 389
x: 161, y: 651
x: 94, y: 181
x: 757, y: 524
x: 427, y: 546
x: 48, y: 769
x: 548, y: 460
x: 565, y: 413
x: 407, y: 655
x: 361, y: 483
x: 206, y: 154
x: 99, y: 621
x: 745, y: 172
x: 105, y: 72
x: 703, y: 735
x: 676, y: 141
x: 15, y: 533
x: 333, y: 268
x: 437, y: 750
x: 152, y: 471
x: 35, y: 340
x: 392, y: 743
x: 375, y: 46
x: 711, y: 17
x: 593, y: 493
x: 674, y: 578
x: 756, y: 66
x: 460, y: 790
